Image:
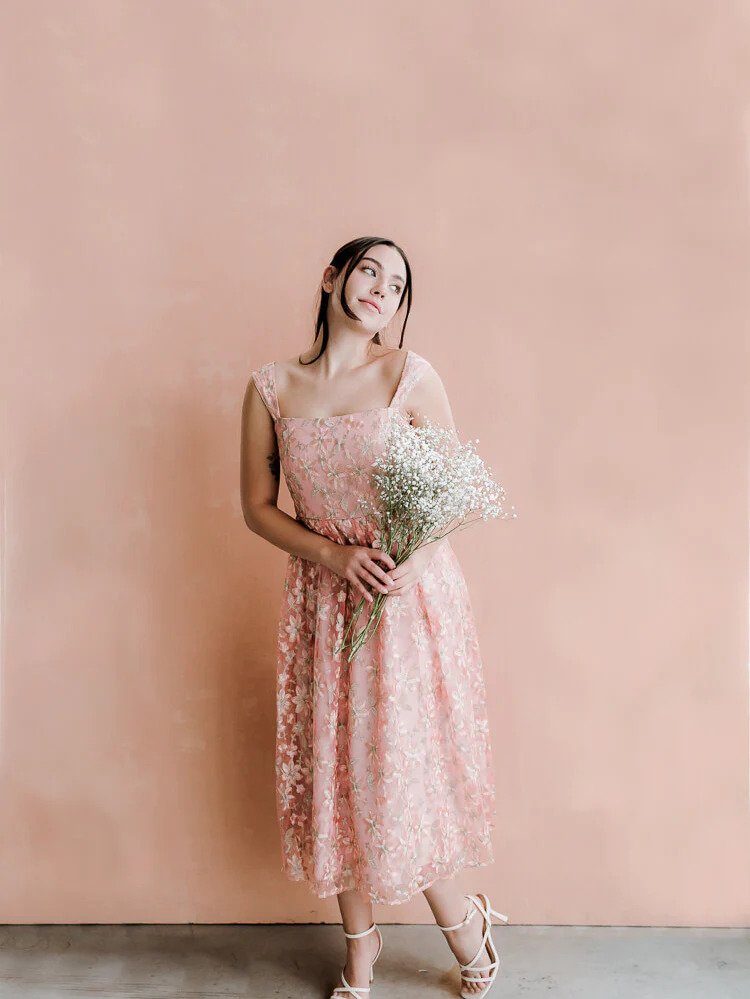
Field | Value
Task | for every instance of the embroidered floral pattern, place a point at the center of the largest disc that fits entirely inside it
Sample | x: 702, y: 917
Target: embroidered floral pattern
x: 383, y: 765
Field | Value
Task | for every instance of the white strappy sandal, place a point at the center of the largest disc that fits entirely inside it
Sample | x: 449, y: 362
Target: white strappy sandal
x: 345, y: 989
x: 482, y: 903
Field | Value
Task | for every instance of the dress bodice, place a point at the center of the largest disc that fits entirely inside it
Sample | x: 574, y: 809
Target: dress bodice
x: 327, y: 460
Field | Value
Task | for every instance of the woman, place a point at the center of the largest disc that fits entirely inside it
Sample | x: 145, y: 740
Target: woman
x: 383, y: 765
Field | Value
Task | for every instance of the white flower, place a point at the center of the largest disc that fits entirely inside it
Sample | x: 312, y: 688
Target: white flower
x: 426, y: 485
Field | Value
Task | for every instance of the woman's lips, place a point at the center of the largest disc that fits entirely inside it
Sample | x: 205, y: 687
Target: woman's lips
x: 373, y: 307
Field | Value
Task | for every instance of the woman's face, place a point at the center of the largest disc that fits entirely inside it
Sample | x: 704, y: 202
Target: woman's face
x: 379, y: 277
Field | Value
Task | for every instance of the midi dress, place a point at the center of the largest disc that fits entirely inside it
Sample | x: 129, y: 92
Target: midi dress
x: 383, y: 765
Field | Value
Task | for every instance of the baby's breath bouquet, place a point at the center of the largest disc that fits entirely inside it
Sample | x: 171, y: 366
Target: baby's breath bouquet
x: 428, y: 484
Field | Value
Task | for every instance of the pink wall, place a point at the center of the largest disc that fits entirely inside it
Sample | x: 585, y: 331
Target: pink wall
x: 571, y: 182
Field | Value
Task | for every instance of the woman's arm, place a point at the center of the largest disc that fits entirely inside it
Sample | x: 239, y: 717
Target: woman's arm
x: 259, y: 486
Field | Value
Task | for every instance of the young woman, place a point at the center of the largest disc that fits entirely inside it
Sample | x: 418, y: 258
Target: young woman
x: 383, y: 765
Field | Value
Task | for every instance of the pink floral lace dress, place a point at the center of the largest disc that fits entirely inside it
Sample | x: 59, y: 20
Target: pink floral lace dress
x: 383, y: 765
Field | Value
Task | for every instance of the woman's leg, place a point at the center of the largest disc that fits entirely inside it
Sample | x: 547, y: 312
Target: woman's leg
x: 449, y: 906
x: 356, y: 916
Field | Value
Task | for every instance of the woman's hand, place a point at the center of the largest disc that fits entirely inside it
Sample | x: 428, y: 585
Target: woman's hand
x: 406, y: 574
x: 359, y: 565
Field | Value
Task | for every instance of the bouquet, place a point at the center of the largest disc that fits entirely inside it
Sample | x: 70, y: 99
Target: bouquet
x: 428, y: 484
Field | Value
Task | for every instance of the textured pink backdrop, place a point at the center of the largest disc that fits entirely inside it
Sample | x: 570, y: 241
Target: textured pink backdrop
x: 571, y: 183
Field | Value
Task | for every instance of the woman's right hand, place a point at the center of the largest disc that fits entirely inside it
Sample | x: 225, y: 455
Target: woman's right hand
x: 358, y: 565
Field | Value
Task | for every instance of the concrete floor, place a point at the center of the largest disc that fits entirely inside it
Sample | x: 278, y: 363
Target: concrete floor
x: 302, y: 962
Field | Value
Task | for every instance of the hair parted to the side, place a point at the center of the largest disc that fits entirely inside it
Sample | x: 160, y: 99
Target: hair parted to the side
x: 349, y: 256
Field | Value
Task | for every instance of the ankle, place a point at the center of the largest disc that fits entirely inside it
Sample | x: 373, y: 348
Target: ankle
x: 459, y: 924
x: 360, y: 943
x: 462, y: 933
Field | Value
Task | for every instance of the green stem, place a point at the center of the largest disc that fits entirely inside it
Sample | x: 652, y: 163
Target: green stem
x: 376, y: 612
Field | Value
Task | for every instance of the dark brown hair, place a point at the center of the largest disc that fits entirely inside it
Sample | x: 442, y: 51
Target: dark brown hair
x: 349, y: 255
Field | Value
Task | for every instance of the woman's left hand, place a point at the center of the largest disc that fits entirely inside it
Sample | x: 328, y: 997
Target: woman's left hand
x: 406, y: 573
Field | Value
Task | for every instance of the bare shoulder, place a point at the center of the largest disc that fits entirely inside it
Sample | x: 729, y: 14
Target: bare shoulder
x: 285, y: 365
x: 392, y: 359
x: 293, y: 371
x: 380, y: 350
x: 394, y: 364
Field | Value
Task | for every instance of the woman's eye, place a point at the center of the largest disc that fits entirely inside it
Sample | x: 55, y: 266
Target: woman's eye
x: 396, y: 287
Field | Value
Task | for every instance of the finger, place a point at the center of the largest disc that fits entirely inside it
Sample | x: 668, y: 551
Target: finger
x: 373, y: 580
x: 374, y: 568
x: 406, y: 579
x: 383, y: 556
x: 365, y: 592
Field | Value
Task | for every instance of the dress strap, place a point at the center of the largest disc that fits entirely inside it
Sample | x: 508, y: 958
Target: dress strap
x: 265, y: 381
x: 413, y: 369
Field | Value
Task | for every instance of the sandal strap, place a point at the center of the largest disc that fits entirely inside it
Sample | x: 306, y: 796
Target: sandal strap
x: 491, y: 967
x: 474, y: 904
x: 463, y: 922
x: 477, y: 978
x: 349, y: 990
x: 362, y: 934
